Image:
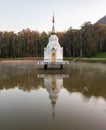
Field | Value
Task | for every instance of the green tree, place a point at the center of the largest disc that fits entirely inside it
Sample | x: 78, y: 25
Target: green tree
x: 43, y: 40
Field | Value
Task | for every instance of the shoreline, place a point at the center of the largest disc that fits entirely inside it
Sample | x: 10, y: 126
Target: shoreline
x: 22, y: 58
x: 86, y: 60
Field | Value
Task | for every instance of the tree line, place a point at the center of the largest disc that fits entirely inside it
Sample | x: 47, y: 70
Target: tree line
x: 84, y: 42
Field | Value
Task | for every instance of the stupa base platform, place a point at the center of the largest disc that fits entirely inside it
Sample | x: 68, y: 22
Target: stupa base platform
x: 48, y: 64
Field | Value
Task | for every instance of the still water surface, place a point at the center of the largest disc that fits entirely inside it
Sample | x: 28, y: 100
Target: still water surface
x: 69, y: 99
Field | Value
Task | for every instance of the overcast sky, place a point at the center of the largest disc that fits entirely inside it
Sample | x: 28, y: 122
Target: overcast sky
x: 16, y: 15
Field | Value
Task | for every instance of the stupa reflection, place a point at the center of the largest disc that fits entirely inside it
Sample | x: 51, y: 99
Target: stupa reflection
x: 53, y: 84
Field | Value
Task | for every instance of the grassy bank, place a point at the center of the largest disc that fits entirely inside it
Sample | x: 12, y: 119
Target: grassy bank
x: 100, y: 55
x: 91, y: 60
x: 22, y: 58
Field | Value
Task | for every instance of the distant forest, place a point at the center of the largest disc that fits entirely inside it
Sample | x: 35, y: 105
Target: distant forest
x: 84, y: 42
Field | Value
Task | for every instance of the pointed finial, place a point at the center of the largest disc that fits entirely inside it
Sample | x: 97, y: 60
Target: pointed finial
x: 53, y: 21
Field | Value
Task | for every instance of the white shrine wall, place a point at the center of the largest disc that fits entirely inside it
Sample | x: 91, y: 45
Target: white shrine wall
x: 53, y: 45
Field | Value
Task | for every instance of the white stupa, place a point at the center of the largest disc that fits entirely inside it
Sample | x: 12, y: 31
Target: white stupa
x: 53, y: 51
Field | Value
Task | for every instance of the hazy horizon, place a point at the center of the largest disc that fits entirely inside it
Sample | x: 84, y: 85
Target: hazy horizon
x: 37, y: 14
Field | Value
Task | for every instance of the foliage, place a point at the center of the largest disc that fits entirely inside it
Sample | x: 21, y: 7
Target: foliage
x: 100, y: 55
x: 88, y: 41
x: 43, y: 40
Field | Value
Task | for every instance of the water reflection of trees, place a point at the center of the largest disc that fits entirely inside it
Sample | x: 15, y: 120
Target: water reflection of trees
x: 89, y: 83
x: 26, y: 80
x: 24, y: 77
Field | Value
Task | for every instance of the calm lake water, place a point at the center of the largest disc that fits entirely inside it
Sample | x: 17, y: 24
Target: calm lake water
x: 68, y: 99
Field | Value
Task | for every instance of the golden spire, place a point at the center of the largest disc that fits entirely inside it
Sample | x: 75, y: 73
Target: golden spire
x: 53, y: 21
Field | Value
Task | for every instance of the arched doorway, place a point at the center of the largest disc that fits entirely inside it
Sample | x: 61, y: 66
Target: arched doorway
x: 53, y: 55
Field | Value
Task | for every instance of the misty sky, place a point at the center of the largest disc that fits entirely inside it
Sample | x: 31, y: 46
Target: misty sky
x: 16, y: 15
